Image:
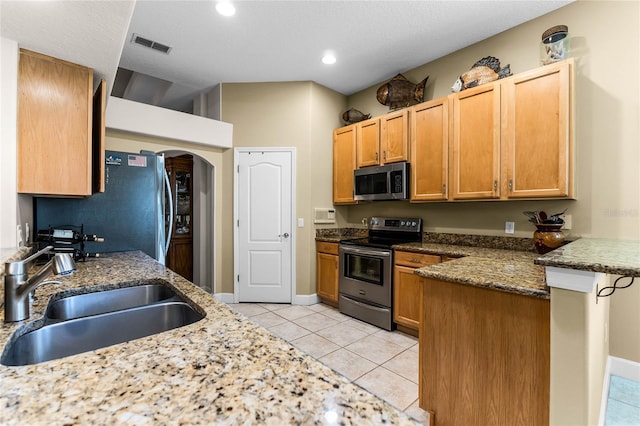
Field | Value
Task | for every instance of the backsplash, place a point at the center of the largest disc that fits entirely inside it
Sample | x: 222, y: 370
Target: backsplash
x: 485, y: 241
x: 341, y: 233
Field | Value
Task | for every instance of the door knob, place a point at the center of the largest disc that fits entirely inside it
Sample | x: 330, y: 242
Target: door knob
x: 285, y: 235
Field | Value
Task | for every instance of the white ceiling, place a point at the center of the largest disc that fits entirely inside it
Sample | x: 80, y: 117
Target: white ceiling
x: 264, y: 41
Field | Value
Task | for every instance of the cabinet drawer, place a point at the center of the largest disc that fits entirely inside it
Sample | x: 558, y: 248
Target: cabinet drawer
x: 324, y: 247
x: 415, y: 260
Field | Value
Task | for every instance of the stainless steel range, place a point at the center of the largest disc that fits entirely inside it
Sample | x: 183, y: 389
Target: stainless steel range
x: 366, y: 269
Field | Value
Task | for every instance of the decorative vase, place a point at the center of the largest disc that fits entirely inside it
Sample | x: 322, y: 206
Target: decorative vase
x: 548, y: 237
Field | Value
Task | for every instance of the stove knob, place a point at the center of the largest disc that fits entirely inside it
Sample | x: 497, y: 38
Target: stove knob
x: 402, y: 223
x: 413, y: 224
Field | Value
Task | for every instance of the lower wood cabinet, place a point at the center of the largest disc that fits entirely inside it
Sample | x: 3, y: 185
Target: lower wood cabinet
x: 484, y: 356
x: 327, y: 272
x: 407, y: 287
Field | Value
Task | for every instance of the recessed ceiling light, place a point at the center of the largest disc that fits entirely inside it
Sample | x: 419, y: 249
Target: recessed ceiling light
x: 328, y: 59
x: 225, y: 8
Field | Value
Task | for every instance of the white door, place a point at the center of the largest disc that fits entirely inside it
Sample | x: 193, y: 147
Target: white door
x: 264, y: 203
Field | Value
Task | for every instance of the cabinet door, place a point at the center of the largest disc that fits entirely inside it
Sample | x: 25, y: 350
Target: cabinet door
x: 407, y: 287
x: 429, y: 150
x: 475, y: 150
x: 368, y: 143
x: 394, y: 137
x: 181, y: 257
x: 327, y: 276
x: 407, y: 297
x: 344, y: 163
x: 54, y: 126
x: 537, y: 137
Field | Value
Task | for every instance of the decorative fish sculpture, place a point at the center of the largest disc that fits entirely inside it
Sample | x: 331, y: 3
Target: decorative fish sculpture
x: 352, y: 115
x: 400, y: 92
x: 484, y: 71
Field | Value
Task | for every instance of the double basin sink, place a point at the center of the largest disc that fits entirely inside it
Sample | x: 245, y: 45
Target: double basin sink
x: 79, y: 323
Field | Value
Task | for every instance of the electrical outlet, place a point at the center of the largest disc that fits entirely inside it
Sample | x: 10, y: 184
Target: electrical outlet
x: 19, y: 236
x: 509, y: 227
x: 567, y: 221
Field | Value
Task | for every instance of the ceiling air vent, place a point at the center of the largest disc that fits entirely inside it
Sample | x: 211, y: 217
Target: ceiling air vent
x: 150, y: 44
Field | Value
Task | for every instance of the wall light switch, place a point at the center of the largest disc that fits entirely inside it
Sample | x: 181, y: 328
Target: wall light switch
x: 300, y: 222
x: 509, y: 227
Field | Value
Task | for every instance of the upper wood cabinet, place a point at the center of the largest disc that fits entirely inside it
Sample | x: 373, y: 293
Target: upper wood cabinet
x: 475, y: 143
x: 509, y: 139
x: 383, y: 140
x: 536, y: 133
x: 54, y: 130
x: 98, y: 162
x: 429, y: 150
x: 394, y: 136
x: 344, y: 163
x: 368, y: 142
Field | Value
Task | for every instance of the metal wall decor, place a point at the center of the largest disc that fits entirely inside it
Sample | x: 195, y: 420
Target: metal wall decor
x: 352, y: 116
x: 484, y: 71
x: 400, y: 92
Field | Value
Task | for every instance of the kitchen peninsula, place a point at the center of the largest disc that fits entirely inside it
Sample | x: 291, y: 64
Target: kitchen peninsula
x: 488, y: 351
x: 223, y: 369
x: 484, y: 332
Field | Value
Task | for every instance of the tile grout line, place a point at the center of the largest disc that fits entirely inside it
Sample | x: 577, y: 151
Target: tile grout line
x: 368, y: 332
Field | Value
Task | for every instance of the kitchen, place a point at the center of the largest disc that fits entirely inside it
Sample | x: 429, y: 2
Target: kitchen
x: 606, y: 139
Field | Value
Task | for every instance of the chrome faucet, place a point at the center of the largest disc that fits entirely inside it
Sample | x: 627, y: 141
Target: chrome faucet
x: 18, y: 285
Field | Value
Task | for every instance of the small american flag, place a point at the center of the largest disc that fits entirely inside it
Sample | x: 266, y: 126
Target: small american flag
x: 137, y: 161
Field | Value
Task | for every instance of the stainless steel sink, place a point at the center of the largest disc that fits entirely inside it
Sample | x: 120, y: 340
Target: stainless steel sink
x: 100, y: 302
x: 74, y: 336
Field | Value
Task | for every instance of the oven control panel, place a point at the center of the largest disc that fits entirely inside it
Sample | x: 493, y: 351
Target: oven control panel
x: 410, y: 224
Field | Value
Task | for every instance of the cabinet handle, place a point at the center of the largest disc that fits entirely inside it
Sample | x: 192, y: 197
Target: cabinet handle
x: 510, y: 185
x: 384, y: 155
x: 444, y: 188
x: 376, y: 157
x: 495, y: 185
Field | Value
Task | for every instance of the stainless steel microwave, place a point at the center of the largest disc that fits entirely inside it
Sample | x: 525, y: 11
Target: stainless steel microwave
x: 388, y: 182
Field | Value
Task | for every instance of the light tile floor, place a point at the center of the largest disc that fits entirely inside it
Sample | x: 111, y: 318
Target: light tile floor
x: 385, y: 363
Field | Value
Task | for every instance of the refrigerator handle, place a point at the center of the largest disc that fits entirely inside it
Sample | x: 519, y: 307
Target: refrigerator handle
x: 168, y: 186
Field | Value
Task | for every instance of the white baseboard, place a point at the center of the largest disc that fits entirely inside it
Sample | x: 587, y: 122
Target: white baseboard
x: 305, y: 299
x: 299, y: 299
x: 224, y: 297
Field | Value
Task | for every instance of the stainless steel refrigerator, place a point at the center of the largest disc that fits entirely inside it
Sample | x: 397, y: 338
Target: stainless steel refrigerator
x: 129, y: 214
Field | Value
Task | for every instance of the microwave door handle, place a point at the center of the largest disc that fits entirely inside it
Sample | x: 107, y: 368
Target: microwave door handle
x: 353, y: 250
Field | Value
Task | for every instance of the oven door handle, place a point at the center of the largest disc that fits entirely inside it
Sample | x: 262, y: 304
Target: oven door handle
x: 353, y: 250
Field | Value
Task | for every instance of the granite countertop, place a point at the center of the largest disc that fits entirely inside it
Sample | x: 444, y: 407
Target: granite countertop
x: 223, y: 369
x: 512, y: 271
x: 617, y: 257
x: 335, y: 235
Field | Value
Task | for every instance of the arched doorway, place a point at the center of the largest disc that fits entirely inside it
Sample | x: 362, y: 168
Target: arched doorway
x: 202, y: 223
